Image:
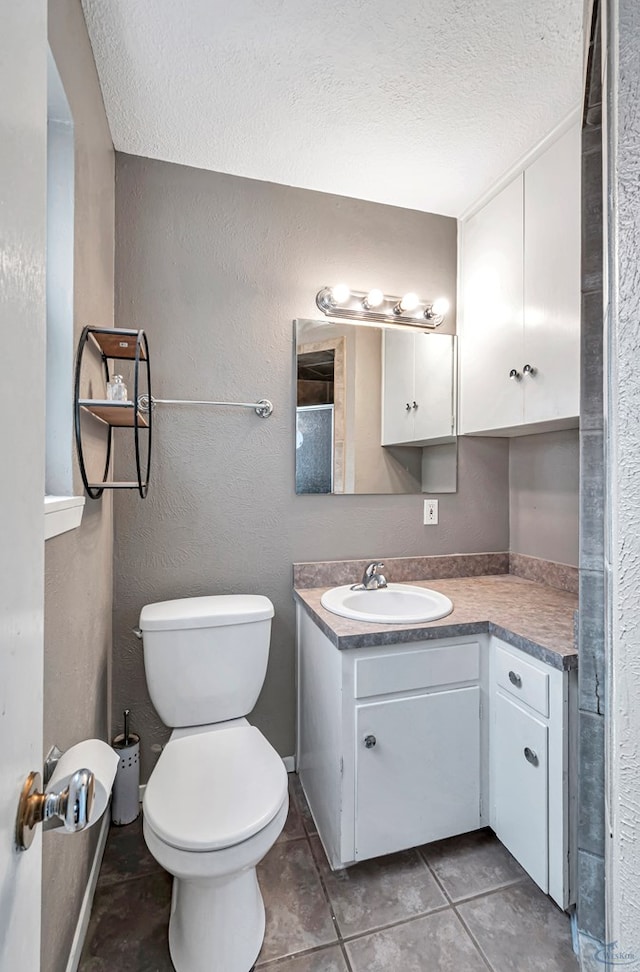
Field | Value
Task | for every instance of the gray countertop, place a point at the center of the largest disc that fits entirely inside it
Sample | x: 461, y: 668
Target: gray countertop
x: 533, y: 617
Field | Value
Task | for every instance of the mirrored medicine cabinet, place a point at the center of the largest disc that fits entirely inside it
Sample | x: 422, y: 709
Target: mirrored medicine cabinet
x: 375, y: 409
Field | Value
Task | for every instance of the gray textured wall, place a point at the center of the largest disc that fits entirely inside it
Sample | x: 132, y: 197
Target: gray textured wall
x: 592, y: 824
x: 544, y: 480
x: 216, y: 268
x: 78, y: 565
x: 622, y: 556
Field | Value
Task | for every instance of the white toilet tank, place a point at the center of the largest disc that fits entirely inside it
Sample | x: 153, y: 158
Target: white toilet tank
x: 205, y: 658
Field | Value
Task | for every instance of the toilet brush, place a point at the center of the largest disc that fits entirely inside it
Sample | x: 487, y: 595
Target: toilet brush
x: 125, y: 805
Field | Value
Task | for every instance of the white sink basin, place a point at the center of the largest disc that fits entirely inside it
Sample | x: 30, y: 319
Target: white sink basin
x: 394, y: 604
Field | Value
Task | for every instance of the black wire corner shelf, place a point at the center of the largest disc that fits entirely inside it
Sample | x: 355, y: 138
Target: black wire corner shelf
x: 115, y: 344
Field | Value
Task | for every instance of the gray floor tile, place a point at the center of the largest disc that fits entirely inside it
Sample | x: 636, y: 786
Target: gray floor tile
x: 126, y: 855
x: 326, y: 960
x: 295, y: 787
x: 521, y: 930
x: 128, y: 928
x: 472, y: 864
x: 298, y: 915
x: 436, y: 943
x: 379, y: 892
x: 293, y: 828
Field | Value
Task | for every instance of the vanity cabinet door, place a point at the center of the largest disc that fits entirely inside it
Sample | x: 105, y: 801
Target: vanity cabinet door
x: 520, y: 786
x: 417, y: 765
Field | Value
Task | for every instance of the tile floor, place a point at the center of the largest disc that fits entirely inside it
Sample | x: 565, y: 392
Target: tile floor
x: 460, y: 905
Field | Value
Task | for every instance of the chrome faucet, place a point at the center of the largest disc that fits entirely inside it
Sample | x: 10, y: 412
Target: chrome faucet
x: 371, y: 579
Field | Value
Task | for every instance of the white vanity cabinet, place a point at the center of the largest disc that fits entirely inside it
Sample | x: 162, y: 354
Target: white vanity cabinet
x: 390, y: 749
x: 400, y: 745
x: 530, y: 765
x: 418, y: 388
x: 520, y: 300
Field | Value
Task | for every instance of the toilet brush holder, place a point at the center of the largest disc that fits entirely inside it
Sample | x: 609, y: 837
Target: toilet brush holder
x: 125, y: 805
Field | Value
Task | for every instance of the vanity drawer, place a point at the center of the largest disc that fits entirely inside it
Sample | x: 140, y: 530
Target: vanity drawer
x: 403, y: 671
x: 523, y: 681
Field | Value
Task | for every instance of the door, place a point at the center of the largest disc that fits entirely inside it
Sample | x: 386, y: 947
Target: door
x: 23, y: 116
x: 520, y: 787
x: 409, y: 788
x: 552, y: 282
x: 433, y: 386
x: 397, y: 387
x: 491, y: 342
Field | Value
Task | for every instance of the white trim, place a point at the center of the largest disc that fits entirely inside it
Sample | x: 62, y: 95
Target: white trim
x: 522, y: 163
x: 87, y: 901
x: 61, y: 514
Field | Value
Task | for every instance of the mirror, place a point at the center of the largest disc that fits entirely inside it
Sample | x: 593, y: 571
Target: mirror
x: 375, y: 409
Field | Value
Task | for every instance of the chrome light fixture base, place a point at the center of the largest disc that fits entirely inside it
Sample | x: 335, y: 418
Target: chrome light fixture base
x: 387, y: 311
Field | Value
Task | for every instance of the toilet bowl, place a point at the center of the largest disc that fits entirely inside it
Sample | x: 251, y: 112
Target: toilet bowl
x: 217, y: 799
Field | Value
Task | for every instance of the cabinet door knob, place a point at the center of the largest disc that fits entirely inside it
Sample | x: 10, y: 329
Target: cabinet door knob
x: 515, y: 679
x: 529, y: 370
x: 515, y: 374
x: 370, y: 741
x: 530, y: 756
x: 408, y: 406
x: 415, y: 405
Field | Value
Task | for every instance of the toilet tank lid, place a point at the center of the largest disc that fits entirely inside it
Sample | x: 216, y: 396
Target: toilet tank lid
x: 205, y: 612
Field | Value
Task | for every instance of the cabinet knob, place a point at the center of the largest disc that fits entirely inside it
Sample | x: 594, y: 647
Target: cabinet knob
x: 370, y: 741
x: 408, y: 406
x: 515, y: 374
x: 529, y: 370
x: 515, y: 679
x: 530, y: 756
x: 415, y: 405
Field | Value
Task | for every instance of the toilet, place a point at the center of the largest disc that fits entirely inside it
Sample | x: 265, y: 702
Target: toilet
x: 217, y: 799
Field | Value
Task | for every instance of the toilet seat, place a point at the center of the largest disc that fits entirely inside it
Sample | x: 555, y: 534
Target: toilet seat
x: 215, y: 789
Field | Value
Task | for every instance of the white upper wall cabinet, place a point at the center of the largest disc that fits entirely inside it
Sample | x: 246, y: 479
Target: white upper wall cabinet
x: 491, y: 342
x: 520, y: 288
x: 552, y: 282
x: 418, y: 383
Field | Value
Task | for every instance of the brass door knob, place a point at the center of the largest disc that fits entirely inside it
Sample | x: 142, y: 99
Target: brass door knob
x: 71, y: 808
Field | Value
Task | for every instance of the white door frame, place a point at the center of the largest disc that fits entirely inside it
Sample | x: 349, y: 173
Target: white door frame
x: 23, y: 121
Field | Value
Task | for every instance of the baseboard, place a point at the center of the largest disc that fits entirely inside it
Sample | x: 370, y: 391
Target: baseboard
x: 87, y: 901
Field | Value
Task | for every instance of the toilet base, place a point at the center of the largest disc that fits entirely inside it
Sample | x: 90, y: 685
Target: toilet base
x: 216, y: 926
x: 217, y: 913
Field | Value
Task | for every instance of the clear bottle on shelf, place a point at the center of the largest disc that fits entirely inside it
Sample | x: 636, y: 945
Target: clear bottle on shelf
x: 116, y: 389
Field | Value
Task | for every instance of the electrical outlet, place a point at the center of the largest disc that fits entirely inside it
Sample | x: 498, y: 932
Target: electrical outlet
x: 430, y: 512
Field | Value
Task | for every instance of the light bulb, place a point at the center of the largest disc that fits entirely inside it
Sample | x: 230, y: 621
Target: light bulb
x: 409, y: 302
x: 440, y: 306
x: 373, y: 299
x: 340, y: 293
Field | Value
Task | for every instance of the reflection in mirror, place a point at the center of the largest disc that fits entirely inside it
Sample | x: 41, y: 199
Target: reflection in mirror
x: 375, y: 409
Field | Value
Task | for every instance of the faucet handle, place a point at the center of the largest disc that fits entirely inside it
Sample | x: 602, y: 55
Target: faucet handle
x: 373, y: 568
x: 372, y: 579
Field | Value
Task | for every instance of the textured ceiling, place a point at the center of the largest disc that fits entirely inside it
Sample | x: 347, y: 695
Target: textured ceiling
x: 422, y: 104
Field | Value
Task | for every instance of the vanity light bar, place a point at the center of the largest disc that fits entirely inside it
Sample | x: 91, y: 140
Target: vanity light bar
x: 373, y: 305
